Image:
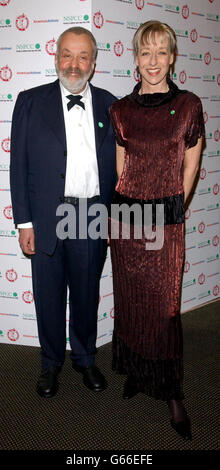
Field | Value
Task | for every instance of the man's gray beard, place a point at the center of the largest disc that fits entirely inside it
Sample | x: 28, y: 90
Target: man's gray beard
x: 76, y: 87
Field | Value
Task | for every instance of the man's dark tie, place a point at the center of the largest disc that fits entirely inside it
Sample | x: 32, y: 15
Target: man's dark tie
x: 75, y: 99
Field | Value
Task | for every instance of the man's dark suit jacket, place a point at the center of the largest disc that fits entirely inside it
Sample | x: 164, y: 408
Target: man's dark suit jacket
x: 38, y: 157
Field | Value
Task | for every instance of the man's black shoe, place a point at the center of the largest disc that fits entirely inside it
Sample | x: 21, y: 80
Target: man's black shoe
x: 47, y: 385
x: 92, y: 377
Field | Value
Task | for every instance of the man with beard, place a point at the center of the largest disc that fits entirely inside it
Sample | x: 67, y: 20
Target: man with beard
x: 63, y: 151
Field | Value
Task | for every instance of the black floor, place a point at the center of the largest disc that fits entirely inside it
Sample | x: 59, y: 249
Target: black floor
x: 77, y: 419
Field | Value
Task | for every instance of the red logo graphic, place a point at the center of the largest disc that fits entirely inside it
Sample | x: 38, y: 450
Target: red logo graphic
x: 218, y: 78
x: 217, y: 135
x: 98, y: 20
x: 13, y: 335
x: 6, y: 145
x: 211, y: 1
x: 8, y: 212
x: 205, y: 117
x: 5, y: 73
x: 139, y: 4
x: 186, y: 267
x: 182, y: 76
x: 4, y: 3
x: 51, y: 47
x: 112, y: 313
x: 215, y: 189
x: 215, y: 290
x: 201, y: 279
x: 11, y: 275
x: 194, y: 35
x: 22, y: 22
x: 207, y: 58
x: 185, y: 12
x: 118, y: 48
x: 137, y: 76
x: 215, y: 240
x: 187, y: 213
x: 202, y: 173
x: 27, y: 297
x: 201, y: 227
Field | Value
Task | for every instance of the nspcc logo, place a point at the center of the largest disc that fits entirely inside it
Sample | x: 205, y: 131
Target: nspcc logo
x: 202, y: 173
x: 215, y: 189
x: 217, y: 135
x: 215, y: 290
x: 27, y: 297
x: 11, y: 275
x: 4, y: 3
x: 194, y: 35
x: 98, y: 19
x: 5, y: 145
x: 207, y: 58
x: 8, y: 212
x: 51, y: 47
x: 201, y: 279
x: 215, y: 240
x: 139, y: 4
x: 5, y: 73
x: 22, y: 22
x: 185, y: 12
x: 182, y: 76
x: 13, y: 335
x: 118, y: 48
x: 201, y: 227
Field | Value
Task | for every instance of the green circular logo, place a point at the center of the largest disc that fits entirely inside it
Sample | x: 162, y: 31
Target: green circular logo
x: 186, y: 33
x: 7, y: 21
x: 86, y: 17
x: 108, y: 45
x: 15, y: 294
x: 12, y: 232
x: 128, y: 72
x: 177, y: 8
x: 37, y: 46
x: 9, y: 96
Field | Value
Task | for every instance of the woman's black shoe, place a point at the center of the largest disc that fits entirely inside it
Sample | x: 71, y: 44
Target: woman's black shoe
x: 183, y: 428
x: 130, y: 389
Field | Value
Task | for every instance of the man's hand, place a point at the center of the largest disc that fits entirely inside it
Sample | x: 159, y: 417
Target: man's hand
x: 26, y: 240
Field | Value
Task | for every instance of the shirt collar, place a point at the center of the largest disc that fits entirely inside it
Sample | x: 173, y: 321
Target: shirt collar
x: 85, y: 93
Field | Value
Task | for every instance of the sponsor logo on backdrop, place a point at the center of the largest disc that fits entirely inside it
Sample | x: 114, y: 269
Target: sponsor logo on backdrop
x: 215, y: 189
x: 194, y: 35
x: 122, y: 73
x: 118, y: 48
x: 27, y: 297
x: 172, y: 8
x: 217, y: 135
x: 98, y: 19
x: 212, y: 17
x: 202, y: 173
x: 103, y: 46
x: 5, y: 145
x: 201, y: 279
x: 205, y: 117
x: 186, y: 267
x: 76, y: 19
x: 5, y: 97
x: 5, y: 23
x: 215, y: 240
x: 7, y: 233
x: 5, y: 73
x: 7, y: 211
x: 13, y: 335
x: 182, y: 77
x: 211, y: 1
x: 11, y: 275
x: 185, y: 12
x: 4, y: 3
x: 28, y: 47
x: 137, y: 76
x: 218, y: 78
x: 207, y: 58
x: 139, y: 4
x: 51, y: 47
x: 215, y: 290
x: 201, y: 227
x: 22, y: 22
x: 112, y: 313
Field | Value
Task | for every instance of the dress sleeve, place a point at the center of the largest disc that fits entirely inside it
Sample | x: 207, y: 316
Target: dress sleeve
x: 196, y: 127
x: 117, y: 126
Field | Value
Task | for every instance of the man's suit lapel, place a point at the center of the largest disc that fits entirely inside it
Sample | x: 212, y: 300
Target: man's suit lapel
x: 53, y: 112
x: 101, y: 119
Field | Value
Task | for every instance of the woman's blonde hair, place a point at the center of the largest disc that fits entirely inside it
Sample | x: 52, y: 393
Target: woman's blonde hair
x: 147, y: 32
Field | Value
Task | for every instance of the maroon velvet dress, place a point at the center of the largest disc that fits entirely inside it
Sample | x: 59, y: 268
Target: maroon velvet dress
x: 155, y: 130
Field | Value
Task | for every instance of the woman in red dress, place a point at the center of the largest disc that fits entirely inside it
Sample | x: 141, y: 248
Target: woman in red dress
x: 159, y: 131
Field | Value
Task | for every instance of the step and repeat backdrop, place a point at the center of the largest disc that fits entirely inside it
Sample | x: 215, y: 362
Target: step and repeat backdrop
x: 28, y: 33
